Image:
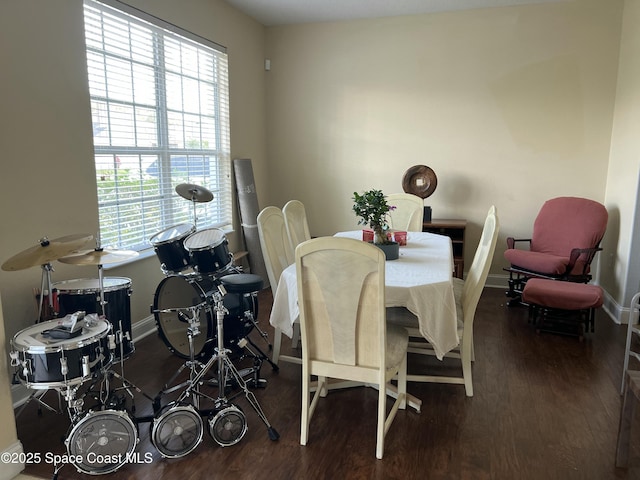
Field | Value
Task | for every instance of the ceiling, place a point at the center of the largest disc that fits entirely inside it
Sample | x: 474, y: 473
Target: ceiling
x: 287, y: 12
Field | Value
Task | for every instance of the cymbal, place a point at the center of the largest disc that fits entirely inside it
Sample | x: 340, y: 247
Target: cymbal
x: 195, y: 193
x: 99, y: 257
x: 47, y: 251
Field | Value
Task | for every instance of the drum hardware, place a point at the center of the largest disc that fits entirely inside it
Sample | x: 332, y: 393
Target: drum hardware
x: 194, y: 193
x: 43, y: 254
x: 225, y: 416
x: 193, y: 330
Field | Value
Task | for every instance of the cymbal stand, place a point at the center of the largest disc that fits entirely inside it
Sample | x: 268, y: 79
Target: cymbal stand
x: 195, y: 216
x: 45, y: 286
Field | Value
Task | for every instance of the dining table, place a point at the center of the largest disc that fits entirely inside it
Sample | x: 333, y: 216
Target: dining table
x: 420, y: 280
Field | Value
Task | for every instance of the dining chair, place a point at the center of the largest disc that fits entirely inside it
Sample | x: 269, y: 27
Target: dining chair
x: 295, y: 217
x: 408, y: 212
x: 341, y: 295
x: 467, y: 294
x: 278, y: 255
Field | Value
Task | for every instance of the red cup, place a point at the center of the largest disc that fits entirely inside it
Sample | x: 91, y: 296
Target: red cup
x: 400, y: 237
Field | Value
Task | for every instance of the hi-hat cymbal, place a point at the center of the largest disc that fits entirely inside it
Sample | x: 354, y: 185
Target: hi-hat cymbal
x: 195, y: 193
x: 47, y: 251
x: 99, y: 257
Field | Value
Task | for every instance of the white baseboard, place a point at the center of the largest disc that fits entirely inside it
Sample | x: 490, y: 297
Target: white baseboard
x: 139, y: 330
x: 144, y: 328
x: 11, y: 469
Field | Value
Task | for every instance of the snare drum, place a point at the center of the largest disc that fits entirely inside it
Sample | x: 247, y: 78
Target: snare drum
x: 208, y: 251
x: 169, y: 247
x: 44, y: 362
x: 83, y: 294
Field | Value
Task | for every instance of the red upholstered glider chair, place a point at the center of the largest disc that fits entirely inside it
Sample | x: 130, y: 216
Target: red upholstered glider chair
x: 566, y: 236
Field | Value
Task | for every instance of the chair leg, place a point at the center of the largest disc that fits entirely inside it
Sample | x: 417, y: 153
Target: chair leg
x: 295, y: 339
x: 465, y: 358
x: 382, y: 411
x: 305, y: 415
x: 402, y: 384
x: 277, y: 344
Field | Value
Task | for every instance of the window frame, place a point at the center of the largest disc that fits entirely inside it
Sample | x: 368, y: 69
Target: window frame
x: 166, y: 206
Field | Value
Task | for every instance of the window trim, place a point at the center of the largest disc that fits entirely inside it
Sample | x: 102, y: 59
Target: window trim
x: 219, y: 153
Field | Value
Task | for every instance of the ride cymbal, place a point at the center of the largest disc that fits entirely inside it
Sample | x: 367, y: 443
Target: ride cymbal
x: 99, y: 257
x: 195, y: 193
x: 47, y: 251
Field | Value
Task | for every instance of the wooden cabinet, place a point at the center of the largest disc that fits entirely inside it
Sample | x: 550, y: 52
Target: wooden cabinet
x: 453, y: 229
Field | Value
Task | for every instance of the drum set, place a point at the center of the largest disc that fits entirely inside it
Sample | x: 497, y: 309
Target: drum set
x: 204, y: 308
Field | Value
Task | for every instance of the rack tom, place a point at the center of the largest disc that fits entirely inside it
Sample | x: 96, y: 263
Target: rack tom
x: 208, y: 251
x: 169, y: 247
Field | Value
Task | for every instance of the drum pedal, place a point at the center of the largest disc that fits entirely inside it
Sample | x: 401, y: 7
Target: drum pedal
x: 116, y: 402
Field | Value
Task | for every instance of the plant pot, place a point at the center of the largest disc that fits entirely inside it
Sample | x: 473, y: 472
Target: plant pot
x: 391, y: 250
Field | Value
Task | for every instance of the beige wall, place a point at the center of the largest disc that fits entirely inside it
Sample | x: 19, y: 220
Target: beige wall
x: 621, y: 261
x: 509, y: 106
x: 47, y: 186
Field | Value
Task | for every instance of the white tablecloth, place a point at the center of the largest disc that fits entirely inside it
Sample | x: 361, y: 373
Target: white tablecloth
x: 420, y: 280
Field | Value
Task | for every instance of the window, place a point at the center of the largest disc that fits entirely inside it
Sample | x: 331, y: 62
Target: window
x: 159, y: 106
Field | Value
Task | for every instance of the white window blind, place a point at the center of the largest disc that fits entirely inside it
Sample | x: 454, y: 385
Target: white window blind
x: 160, y: 111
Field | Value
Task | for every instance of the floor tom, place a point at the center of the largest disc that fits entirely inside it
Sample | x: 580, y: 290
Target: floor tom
x: 83, y: 294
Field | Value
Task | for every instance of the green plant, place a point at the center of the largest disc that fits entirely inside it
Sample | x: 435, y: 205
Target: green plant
x: 372, y: 208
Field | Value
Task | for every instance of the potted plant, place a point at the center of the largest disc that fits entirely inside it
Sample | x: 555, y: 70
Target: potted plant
x: 372, y: 208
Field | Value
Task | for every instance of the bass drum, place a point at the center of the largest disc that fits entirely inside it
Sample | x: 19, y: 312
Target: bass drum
x: 180, y: 292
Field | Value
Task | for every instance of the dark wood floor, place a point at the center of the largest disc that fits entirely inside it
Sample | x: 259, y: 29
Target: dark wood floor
x: 545, y: 407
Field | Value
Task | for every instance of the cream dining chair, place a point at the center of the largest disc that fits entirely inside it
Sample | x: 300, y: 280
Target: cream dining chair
x: 278, y: 255
x: 408, y: 212
x: 467, y: 294
x: 341, y: 295
x: 295, y: 218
